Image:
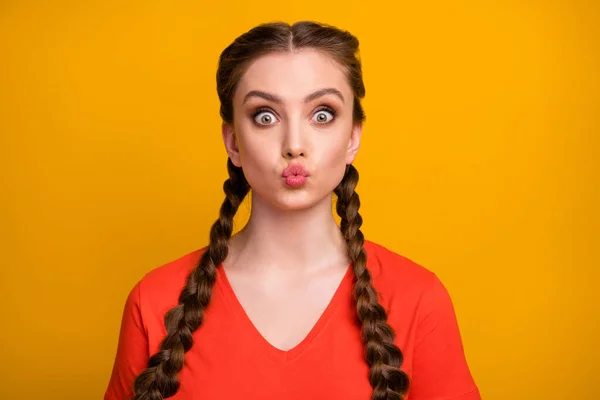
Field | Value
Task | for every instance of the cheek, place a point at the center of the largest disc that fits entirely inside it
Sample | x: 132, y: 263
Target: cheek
x: 335, y: 153
x: 249, y: 145
x: 334, y: 162
x: 257, y: 159
x: 252, y: 160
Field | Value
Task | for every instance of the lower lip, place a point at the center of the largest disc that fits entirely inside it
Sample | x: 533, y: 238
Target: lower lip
x: 295, y: 180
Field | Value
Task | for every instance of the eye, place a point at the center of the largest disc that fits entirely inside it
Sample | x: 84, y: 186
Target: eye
x: 263, y: 117
x: 324, y: 116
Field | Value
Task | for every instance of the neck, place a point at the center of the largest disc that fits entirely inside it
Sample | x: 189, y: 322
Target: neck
x: 289, y: 239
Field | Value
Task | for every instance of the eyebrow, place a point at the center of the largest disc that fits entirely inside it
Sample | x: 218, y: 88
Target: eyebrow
x: 276, y: 99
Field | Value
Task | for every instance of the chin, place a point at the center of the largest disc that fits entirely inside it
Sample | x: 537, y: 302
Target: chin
x: 295, y: 199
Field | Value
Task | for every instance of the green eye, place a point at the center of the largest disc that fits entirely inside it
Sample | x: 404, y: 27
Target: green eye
x: 265, y: 118
x: 323, y: 117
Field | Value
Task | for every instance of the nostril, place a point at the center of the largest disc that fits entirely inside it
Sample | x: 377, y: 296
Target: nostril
x: 293, y: 154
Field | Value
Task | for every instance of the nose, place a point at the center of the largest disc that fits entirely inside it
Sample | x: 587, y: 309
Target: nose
x: 294, y: 142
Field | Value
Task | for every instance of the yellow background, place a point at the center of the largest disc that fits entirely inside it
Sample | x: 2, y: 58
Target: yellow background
x: 479, y: 161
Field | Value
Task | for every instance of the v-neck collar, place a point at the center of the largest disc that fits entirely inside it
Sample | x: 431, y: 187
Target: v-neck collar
x: 238, y: 310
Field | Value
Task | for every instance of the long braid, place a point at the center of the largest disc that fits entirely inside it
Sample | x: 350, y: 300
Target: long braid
x: 159, y: 380
x: 382, y: 355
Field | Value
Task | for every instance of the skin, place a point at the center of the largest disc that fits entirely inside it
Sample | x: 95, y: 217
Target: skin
x: 286, y: 263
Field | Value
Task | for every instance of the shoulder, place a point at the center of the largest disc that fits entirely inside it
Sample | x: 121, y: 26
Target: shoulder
x: 421, y: 312
x: 399, y: 279
x: 159, y: 289
x: 390, y: 268
x: 171, y: 272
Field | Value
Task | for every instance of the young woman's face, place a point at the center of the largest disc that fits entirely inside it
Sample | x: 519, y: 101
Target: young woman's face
x: 293, y: 109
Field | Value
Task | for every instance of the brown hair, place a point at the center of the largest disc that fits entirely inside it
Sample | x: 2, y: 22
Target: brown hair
x: 160, y: 379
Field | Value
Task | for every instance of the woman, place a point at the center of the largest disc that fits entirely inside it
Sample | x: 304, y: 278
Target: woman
x: 293, y: 306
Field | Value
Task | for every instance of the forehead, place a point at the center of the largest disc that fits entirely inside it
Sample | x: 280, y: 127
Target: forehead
x: 292, y: 75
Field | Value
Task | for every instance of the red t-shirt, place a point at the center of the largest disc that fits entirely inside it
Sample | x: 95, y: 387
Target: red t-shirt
x: 231, y: 360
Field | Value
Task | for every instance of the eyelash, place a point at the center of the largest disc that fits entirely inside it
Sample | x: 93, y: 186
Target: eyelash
x: 328, y: 109
x: 322, y: 108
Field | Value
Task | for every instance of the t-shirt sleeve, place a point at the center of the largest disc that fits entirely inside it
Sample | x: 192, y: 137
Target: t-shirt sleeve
x: 440, y: 370
x: 132, y: 351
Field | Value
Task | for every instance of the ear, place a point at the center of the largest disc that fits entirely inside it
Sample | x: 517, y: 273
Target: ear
x: 230, y: 142
x: 354, y: 143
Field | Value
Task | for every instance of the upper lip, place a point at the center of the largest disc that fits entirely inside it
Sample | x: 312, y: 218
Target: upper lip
x: 295, y: 169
